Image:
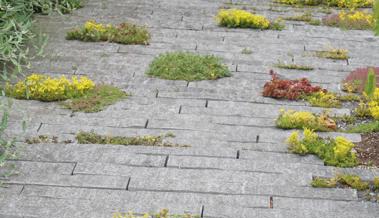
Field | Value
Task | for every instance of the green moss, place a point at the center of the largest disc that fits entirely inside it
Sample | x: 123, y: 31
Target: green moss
x: 337, y: 54
x: 93, y: 138
x: 293, y: 67
x: 187, y: 66
x: 324, y: 183
x: 306, y: 17
x: 96, y: 100
x: 349, y: 97
x: 369, y: 127
x: 353, y: 181
x: 315, y: 22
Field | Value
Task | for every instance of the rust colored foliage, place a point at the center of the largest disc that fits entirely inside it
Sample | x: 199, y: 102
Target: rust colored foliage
x: 288, y: 89
x: 357, y: 78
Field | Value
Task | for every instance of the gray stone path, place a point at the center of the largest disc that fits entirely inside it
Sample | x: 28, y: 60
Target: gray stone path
x: 226, y: 172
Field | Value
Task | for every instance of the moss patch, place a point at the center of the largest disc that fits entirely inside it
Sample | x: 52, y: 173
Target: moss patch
x: 337, y: 54
x: 293, y: 67
x: 187, y: 66
x: 96, y: 100
x: 94, y: 138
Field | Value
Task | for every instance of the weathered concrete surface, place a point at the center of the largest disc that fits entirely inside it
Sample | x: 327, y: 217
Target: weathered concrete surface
x: 226, y: 172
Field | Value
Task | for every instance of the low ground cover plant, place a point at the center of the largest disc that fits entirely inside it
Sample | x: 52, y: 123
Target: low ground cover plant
x: 358, y: 20
x: 164, y: 213
x: 16, y: 29
x: 236, y: 18
x: 330, y: 3
x: 324, y: 99
x: 288, y: 89
x: 147, y: 140
x: 376, y: 17
x: 187, y: 66
x: 291, y: 119
x: 334, y: 53
x: 293, y: 66
x: 124, y: 33
x: 369, y: 190
x: 82, y: 93
x: 334, y: 152
x: 342, y: 180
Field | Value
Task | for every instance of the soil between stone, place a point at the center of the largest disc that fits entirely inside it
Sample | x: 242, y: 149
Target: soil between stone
x: 368, y: 149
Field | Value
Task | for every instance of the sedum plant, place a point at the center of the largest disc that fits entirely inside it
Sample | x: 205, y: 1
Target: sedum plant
x: 236, y: 18
x: 347, y: 180
x: 334, y: 152
x: 124, y: 33
x: 373, y: 105
x: 376, y: 17
x: 323, y: 99
x: 44, y: 88
x: 303, y: 119
x: 332, y: 3
x: 358, y: 20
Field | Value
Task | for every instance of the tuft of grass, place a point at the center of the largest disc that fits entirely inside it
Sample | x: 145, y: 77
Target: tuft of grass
x: 376, y: 183
x: 187, y: 66
x: 369, y: 127
x: 306, y: 17
x: 293, y: 66
x: 370, y: 85
x: 96, y: 99
x: 315, y: 22
x: 246, y: 51
x: 147, y: 140
x: 124, y: 33
x: 352, y: 181
x: 337, y: 54
x: 324, y: 182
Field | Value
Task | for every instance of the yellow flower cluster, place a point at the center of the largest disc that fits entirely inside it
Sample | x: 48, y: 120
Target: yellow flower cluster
x: 351, y: 3
x: 303, y: 119
x: 333, y: 3
x: 324, y: 99
x: 44, y: 88
x: 342, y: 147
x: 356, y: 16
x: 374, y: 105
x: 92, y: 26
x: 242, y: 19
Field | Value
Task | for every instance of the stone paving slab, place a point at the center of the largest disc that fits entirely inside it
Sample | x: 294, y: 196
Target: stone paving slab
x: 238, y: 164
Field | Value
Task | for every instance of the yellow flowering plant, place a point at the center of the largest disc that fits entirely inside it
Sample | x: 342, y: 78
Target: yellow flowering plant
x: 373, y: 105
x: 235, y: 18
x: 324, y: 99
x: 124, y: 33
x: 44, y: 88
x: 359, y: 20
x: 332, y: 3
x: 291, y: 119
x: 334, y: 152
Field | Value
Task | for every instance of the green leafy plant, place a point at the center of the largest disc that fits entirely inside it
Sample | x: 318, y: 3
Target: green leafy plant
x: 334, y: 152
x: 94, y: 138
x: 376, y: 183
x: 187, y: 66
x: 124, y: 33
x: 330, y: 3
x: 246, y: 51
x: 370, y: 83
x: 358, y: 20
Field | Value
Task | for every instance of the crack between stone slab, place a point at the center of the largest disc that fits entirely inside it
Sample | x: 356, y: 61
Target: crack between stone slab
x: 73, y: 169
x: 128, y: 183
x: 62, y: 186
x: 147, y: 123
x: 39, y: 127
x: 166, y: 161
